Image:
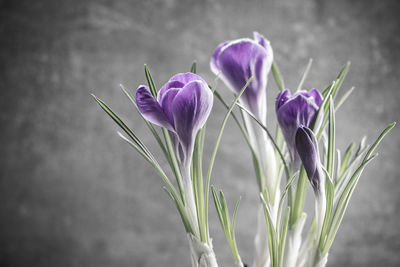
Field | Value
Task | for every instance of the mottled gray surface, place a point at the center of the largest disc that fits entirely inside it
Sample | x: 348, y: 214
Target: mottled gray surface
x: 73, y: 194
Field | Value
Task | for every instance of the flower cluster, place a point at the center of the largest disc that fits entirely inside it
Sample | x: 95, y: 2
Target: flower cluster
x: 181, y: 108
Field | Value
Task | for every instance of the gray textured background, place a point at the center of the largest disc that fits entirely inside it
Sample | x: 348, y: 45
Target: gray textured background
x: 73, y: 194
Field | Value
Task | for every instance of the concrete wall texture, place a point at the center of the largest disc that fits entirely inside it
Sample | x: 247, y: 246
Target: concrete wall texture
x: 73, y: 194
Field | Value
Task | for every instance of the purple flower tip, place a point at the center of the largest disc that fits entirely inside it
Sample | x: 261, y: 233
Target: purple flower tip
x: 293, y: 111
x: 236, y: 61
x: 307, y: 148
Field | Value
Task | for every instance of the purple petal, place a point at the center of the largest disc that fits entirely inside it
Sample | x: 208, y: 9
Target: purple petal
x: 215, y: 55
x: 282, y: 98
x: 191, y: 108
x: 168, y: 86
x: 307, y: 148
x: 185, y: 78
x: 237, y: 62
x: 150, y: 108
x: 260, y: 39
x: 316, y: 95
x: 166, y: 103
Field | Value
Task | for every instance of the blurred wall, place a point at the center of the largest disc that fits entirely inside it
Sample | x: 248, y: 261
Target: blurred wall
x: 73, y: 194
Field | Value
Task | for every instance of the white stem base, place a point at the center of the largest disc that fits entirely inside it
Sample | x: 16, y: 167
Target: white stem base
x: 202, y: 254
x: 261, y: 257
x: 294, y: 242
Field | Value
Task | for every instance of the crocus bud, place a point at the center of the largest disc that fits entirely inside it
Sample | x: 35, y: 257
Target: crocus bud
x: 238, y: 60
x: 182, y: 106
x: 307, y: 148
x: 293, y: 111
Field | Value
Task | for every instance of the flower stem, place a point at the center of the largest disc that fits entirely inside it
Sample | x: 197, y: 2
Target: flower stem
x: 190, y: 204
x: 299, y: 198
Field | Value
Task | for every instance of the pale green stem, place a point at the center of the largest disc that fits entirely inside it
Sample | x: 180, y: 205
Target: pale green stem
x: 269, y: 179
x: 190, y: 204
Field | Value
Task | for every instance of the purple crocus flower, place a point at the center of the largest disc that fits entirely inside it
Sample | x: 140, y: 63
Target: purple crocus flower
x: 307, y: 148
x: 236, y: 61
x: 293, y: 111
x: 182, y: 106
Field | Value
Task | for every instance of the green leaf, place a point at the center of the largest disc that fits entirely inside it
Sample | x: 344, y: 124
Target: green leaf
x: 173, y: 162
x: 193, y: 68
x: 329, y: 194
x: 123, y: 126
x: 305, y: 74
x: 149, y: 125
x: 256, y: 162
x: 277, y: 76
x: 223, y: 215
x: 272, y: 236
x: 317, y: 126
x: 346, y: 195
x: 379, y: 139
x: 340, y: 79
x: 285, y: 191
x: 214, y: 154
x: 344, y: 98
x: 346, y: 158
x: 331, y: 138
x: 282, y: 239
x: 338, y: 82
x: 167, y: 149
x: 197, y: 177
x: 270, y: 137
x: 234, y: 216
x: 150, y: 81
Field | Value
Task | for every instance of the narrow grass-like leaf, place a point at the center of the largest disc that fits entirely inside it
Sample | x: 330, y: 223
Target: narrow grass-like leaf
x: 329, y: 194
x: 123, y: 126
x: 301, y: 190
x: 305, y: 74
x: 181, y: 211
x: 342, y: 206
x: 344, y: 98
x: 149, y: 125
x: 256, y: 162
x: 282, y: 237
x: 239, y: 124
x: 272, y: 237
x: 338, y: 81
x: 214, y: 154
x: 169, y: 154
x: 223, y: 215
x: 331, y: 138
x: 346, y: 158
x: 319, y: 118
x: 224, y: 210
x: 173, y: 162
x: 345, y: 196
x: 198, y: 184
x: 285, y: 191
x: 270, y: 137
x: 138, y: 149
x: 277, y: 76
x: 344, y: 179
x: 340, y: 78
x: 338, y: 165
x: 150, y: 81
x: 171, y: 190
x: 234, y: 216
x: 379, y: 139
x: 193, y: 68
